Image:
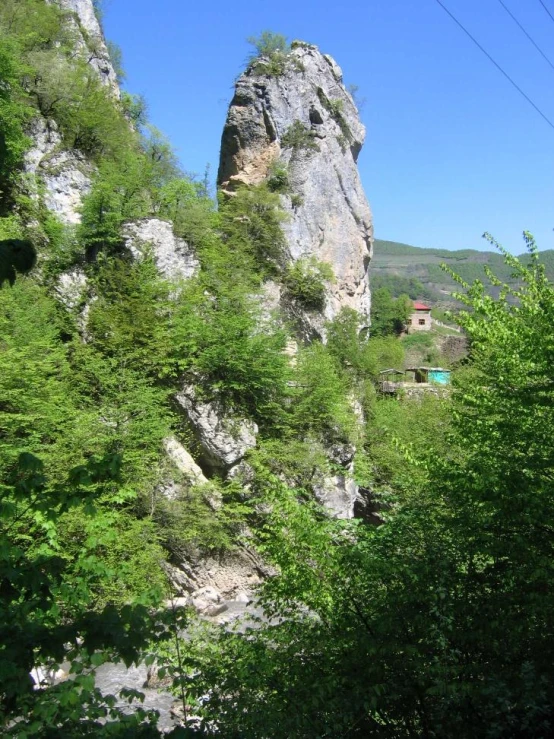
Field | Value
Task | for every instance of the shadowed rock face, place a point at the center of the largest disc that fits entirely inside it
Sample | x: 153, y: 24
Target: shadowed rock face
x: 329, y: 214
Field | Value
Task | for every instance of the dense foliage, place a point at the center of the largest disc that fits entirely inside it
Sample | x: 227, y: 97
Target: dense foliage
x: 434, y: 623
x: 437, y: 622
x: 389, y: 316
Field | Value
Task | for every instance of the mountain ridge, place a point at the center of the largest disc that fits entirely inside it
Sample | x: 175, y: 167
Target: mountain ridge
x: 396, y: 264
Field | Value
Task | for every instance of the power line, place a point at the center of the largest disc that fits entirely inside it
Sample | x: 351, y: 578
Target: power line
x: 537, y: 47
x: 489, y: 57
x: 545, y: 7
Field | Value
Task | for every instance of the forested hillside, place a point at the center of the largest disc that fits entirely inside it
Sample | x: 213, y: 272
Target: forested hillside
x: 191, y: 429
x: 417, y: 271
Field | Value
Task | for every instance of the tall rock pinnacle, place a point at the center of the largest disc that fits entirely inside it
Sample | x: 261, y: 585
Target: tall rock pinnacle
x: 306, y: 119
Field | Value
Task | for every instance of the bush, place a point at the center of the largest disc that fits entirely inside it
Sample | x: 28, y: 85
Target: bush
x: 217, y: 341
x: 389, y: 316
x: 267, y: 44
x: 361, y: 357
x: 299, y: 137
x: 13, y: 116
x: 186, y: 203
x: 296, y: 200
x: 321, y: 402
x: 335, y: 110
x: 70, y: 92
x: 278, y: 178
x: 305, y: 282
x: 250, y: 221
x: 272, y: 54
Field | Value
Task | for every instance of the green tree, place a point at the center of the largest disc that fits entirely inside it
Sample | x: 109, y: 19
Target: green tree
x: 388, y: 315
x: 45, y: 617
x: 437, y: 622
x: 250, y: 222
x: 270, y: 55
x: 305, y: 282
x: 13, y: 116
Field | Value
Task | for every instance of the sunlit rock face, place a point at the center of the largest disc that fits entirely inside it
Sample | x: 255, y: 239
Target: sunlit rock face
x: 64, y: 176
x: 90, y: 39
x: 329, y: 217
x: 173, y: 256
x: 224, y: 439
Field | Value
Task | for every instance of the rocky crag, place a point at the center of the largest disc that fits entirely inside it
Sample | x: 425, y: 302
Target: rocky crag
x: 306, y: 120
x: 301, y: 125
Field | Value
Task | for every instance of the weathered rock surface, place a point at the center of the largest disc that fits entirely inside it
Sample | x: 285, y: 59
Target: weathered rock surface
x: 338, y: 493
x: 173, y: 257
x: 71, y: 287
x: 329, y: 216
x: 184, y: 462
x: 224, y: 439
x: 90, y: 42
x: 65, y: 175
x: 234, y: 574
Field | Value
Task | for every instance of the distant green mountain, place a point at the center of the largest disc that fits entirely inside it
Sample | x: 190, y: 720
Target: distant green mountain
x: 417, y: 272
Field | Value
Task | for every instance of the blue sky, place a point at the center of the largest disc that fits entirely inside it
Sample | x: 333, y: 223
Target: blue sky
x: 451, y: 150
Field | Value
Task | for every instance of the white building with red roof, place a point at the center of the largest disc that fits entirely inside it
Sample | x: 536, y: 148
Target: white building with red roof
x: 420, y: 320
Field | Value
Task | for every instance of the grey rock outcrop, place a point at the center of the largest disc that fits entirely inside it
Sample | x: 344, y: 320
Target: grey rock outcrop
x: 234, y: 574
x: 184, y: 461
x: 329, y: 217
x: 71, y: 288
x: 338, y: 493
x: 224, y: 439
x: 172, y: 255
x: 89, y: 39
x: 65, y: 175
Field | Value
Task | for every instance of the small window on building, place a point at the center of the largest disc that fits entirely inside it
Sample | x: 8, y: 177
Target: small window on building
x: 422, y: 321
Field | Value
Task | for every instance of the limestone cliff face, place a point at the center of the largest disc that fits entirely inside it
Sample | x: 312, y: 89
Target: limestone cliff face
x: 306, y: 119
x: 90, y: 39
x: 65, y: 176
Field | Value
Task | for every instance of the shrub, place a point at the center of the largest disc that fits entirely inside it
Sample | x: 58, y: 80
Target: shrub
x: 296, y: 200
x: 119, y: 193
x: 217, y: 341
x: 278, y: 178
x: 335, y: 110
x: 362, y: 358
x: 299, y: 137
x: 85, y: 111
x: 250, y: 221
x: 272, y: 54
x: 187, y: 205
x: 305, y: 282
x: 320, y: 397
x: 389, y: 315
x: 268, y: 43
x: 13, y: 116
